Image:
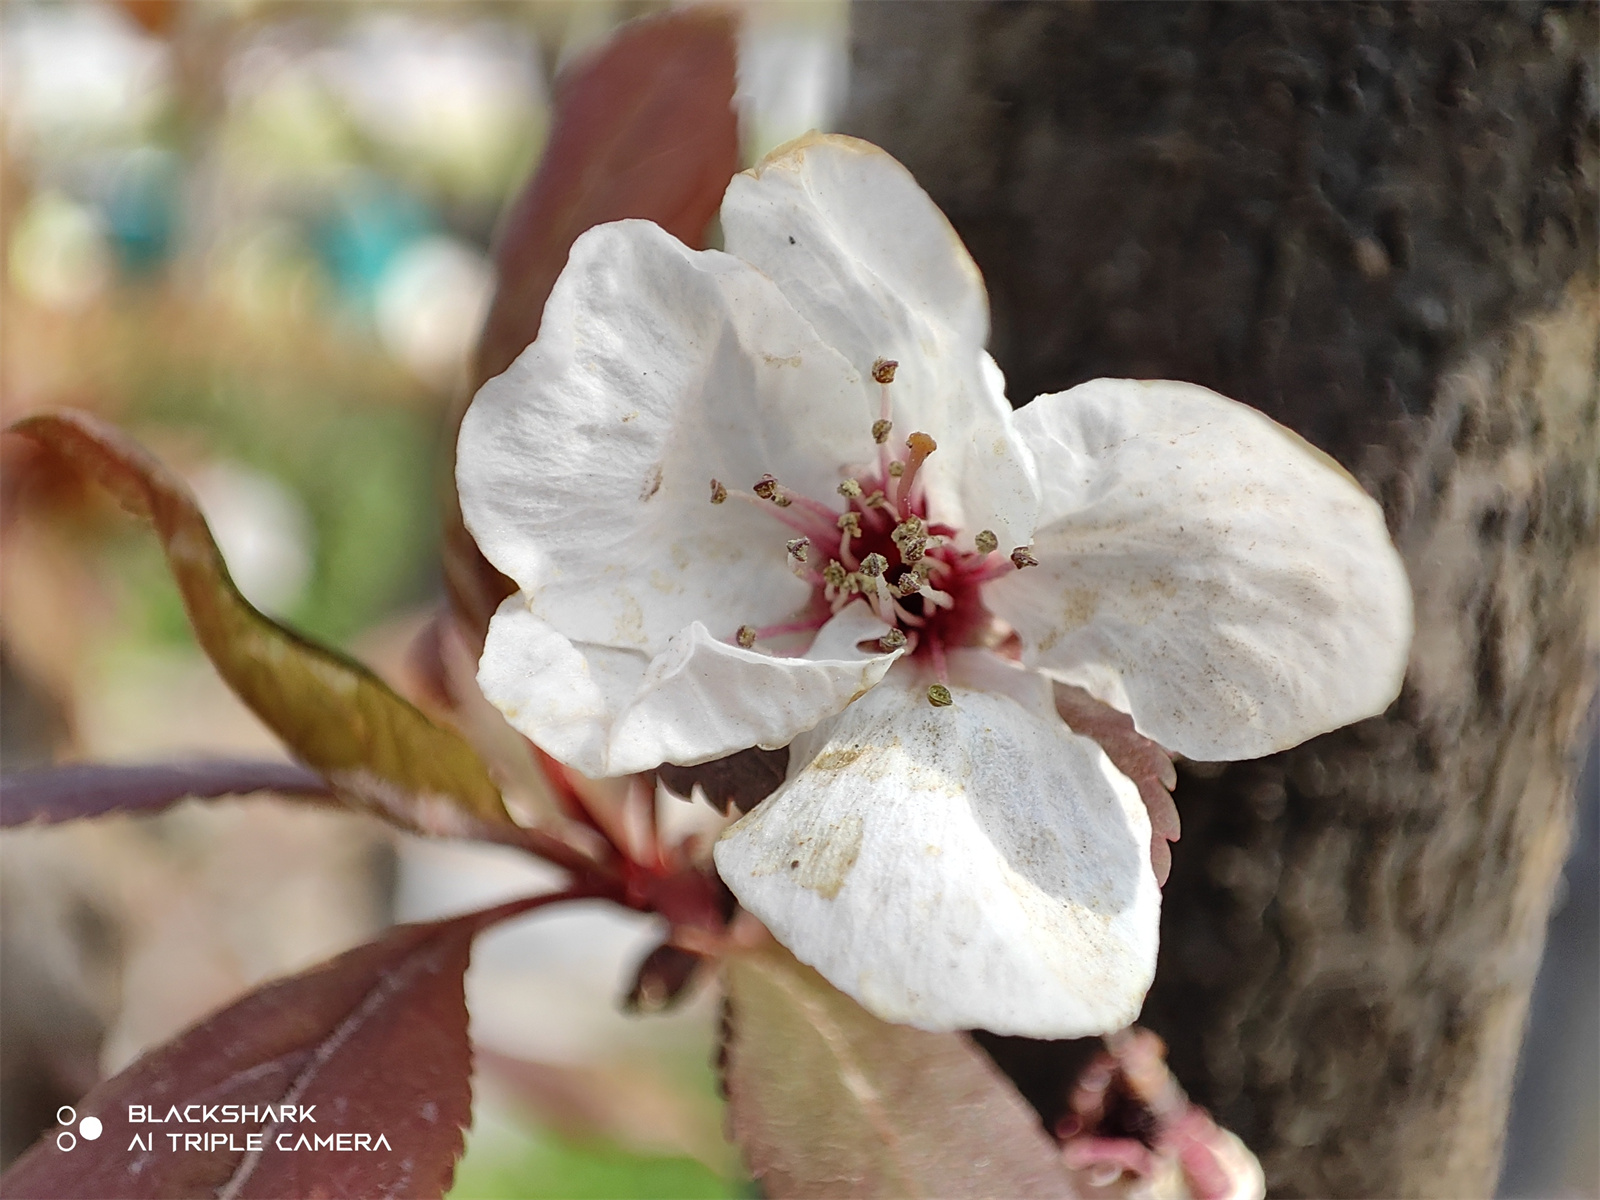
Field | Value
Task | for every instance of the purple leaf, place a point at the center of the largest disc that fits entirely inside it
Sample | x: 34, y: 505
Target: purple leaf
x: 68, y: 793
x: 373, y: 1042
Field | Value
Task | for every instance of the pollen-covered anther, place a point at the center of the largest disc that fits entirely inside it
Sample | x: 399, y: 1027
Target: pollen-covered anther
x: 939, y: 696
x: 850, y: 523
x: 746, y: 637
x: 798, y: 547
x: 850, y: 489
x: 883, y: 370
x: 834, y: 573
x: 986, y: 542
x: 766, y: 487
x: 892, y: 640
x: 910, y: 537
x: 897, y: 468
x: 1022, y: 556
x: 874, y: 565
x: 718, y: 492
x: 909, y: 584
x: 880, y: 430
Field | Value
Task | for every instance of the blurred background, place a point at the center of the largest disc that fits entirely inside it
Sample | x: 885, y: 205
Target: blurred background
x: 257, y: 235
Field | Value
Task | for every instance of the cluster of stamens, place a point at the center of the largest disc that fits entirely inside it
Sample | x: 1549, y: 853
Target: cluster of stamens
x: 884, y: 550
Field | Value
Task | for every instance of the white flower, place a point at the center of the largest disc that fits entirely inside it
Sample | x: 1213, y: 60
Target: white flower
x: 718, y: 546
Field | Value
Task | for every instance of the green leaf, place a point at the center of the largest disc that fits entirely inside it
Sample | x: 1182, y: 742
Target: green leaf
x: 336, y: 715
x: 828, y: 1101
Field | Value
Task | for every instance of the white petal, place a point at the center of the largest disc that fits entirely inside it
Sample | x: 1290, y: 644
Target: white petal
x: 1205, y: 570
x: 611, y: 712
x: 972, y: 866
x: 562, y: 696
x: 866, y: 257
x: 585, y: 468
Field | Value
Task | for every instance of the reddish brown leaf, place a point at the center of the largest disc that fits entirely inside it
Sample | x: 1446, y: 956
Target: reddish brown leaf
x: 828, y: 1101
x: 742, y: 780
x: 334, y: 714
x: 643, y: 128
x: 663, y: 978
x: 374, y: 1042
x: 77, y: 790
x: 1136, y: 756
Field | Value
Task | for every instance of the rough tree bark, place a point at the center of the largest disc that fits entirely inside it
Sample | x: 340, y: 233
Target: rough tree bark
x: 1377, y: 224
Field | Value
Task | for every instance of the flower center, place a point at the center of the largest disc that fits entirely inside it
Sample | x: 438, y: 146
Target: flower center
x: 884, y: 551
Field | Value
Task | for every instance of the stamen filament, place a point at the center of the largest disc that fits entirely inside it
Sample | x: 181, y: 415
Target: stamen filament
x: 809, y: 625
x: 795, y: 521
x: 906, y: 617
x: 794, y: 497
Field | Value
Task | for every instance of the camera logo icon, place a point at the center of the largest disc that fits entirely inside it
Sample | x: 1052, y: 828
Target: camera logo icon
x: 89, y: 1128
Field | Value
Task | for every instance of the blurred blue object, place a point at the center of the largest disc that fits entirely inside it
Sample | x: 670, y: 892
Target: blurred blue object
x: 366, y: 224
x: 1551, y: 1141
x: 142, y: 208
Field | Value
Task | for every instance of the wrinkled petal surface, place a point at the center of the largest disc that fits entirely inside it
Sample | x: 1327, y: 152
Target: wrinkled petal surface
x: 611, y: 712
x: 869, y: 260
x: 585, y: 468
x: 1205, y: 570
x: 972, y: 866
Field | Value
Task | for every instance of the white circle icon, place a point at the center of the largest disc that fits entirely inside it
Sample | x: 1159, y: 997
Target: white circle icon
x: 90, y: 1128
x: 66, y: 1115
x: 66, y: 1140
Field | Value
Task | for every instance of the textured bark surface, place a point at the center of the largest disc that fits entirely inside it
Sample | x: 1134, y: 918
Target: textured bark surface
x: 1377, y: 224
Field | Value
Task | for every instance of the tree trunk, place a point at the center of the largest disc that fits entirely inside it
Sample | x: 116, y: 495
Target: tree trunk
x: 1377, y: 224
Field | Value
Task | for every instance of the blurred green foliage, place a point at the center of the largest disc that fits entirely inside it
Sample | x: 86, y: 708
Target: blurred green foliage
x: 543, y: 1166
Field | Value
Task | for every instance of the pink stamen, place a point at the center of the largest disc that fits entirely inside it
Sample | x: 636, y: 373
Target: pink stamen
x: 905, y: 616
x: 806, y: 502
x: 795, y: 521
x: 846, y: 555
x: 994, y: 570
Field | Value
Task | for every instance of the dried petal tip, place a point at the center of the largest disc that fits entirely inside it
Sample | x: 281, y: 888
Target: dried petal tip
x: 874, y: 565
x: 718, y: 492
x: 939, y: 696
x: 986, y: 542
x: 880, y: 430
x: 850, y: 489
x: 746, y: 637
x: 883, y: 370
x: 892, y: 640
x: 1022, y: 556
x: 798, y: 547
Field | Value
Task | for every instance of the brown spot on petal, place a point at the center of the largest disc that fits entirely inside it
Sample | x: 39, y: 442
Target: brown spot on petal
x: 828, y: 865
